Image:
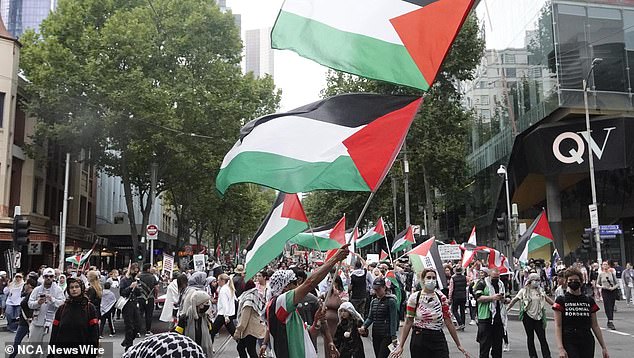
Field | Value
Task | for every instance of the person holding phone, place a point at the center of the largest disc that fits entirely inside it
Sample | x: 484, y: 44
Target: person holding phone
x: 44, y: 301
x: 492, y: 315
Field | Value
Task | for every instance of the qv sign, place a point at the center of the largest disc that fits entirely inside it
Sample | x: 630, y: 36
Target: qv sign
x: 575, y: 154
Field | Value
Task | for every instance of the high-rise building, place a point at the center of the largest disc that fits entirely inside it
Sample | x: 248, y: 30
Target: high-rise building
x: 259, y: 55
x: 20, y: 15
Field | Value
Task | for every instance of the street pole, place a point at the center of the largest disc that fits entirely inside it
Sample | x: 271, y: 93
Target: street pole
x: 394, y: 205
x: 153, y: 175
x: 595, y: 231
x: 508, y: 213
x: 62, y: 235
x: 406, y: 183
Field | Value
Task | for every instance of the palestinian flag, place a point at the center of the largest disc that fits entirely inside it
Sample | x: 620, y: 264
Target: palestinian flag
x: 347, y: 142
x: 324, y: 238
x: 78, y: 259
x: 469, y: 248
x: 536, y: 236
x: 404, y: 240
x: 373, y: 235
x: 384, y: 256
x: 352, y: 238
x: 426, y: 255
x: 398, y: 41
x: 395, y: 286
x: 499, y: 261
x: 285, y: 220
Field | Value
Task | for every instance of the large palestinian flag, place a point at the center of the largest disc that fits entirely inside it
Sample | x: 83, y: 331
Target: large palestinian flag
x: 536, y: 236
x: 347, y: 142
x: 286, y: 219
x: 398, y: 41
x: 373, y: 235
x: 426, y: 255
x: 403, y: 240
x: 324, y: 238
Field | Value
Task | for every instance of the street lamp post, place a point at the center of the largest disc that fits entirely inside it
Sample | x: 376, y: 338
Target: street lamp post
x: 593, y: 206
x: 503, y: 173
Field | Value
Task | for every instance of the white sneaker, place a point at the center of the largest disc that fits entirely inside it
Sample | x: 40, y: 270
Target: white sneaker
x: 507, y: 347
x: 472, y: 323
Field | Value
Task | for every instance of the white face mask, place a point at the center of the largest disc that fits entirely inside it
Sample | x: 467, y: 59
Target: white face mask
x: 430, y: 284
x: 535, y: 284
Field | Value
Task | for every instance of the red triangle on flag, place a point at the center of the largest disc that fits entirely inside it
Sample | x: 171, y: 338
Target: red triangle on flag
x: 383, y: 256
x: 293, y: 209
x: 543, y: 228
x: 426, y: 38
x: 378, y: 228
x: 409, y: 236
x: 423, y: 249
x: 338, y: 232
x: 374, y: 161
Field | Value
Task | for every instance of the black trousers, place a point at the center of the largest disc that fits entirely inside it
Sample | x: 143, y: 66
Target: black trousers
x: 247, y: 345
x: 218, y: 323
x: 428, y: 344
x: 380, y: 345
x: 147, y: 307
x: 490, y: 337
x: 106, y: 317
x: 579, y: 344
x: 609, y: 297
x: 458, y: 310
x: 532, y: 327
x: 132, y: 322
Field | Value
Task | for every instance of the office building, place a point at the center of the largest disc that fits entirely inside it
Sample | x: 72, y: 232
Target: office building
x: 258, y: 53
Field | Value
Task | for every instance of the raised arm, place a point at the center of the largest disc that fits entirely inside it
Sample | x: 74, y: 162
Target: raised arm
x: 318, y: 275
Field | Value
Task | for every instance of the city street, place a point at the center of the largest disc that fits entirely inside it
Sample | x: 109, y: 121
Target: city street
x: 620, y: 342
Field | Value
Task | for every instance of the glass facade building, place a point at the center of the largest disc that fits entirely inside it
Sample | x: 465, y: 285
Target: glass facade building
x: 528, y: 90
x: 19, y: 15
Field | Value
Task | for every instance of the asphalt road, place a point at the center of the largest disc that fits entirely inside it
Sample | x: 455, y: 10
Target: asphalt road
x: 620, y: 342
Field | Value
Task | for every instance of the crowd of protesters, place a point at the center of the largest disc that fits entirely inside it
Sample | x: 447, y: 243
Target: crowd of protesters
x: 342, y: 303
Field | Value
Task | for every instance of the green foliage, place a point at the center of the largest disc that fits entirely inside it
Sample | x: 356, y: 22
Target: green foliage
x: 437, y: 143
x: 128, y: 79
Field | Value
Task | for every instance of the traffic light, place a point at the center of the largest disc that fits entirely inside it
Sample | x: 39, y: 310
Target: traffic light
x: 501, y: 228
x: 21, y: 231
x: 586, y: 242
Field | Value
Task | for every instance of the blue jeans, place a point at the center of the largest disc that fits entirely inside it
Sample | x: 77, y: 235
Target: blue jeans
x: 19, y: 336
x: 3, y: 299
x: 12, y: 313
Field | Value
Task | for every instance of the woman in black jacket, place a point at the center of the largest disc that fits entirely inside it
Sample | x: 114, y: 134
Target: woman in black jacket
x: 76, y: 321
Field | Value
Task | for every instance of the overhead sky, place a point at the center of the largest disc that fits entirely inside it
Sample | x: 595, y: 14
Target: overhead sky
x: 300, y: 79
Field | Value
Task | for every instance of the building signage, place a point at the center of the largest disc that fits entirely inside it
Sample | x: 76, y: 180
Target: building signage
x: 563, y: 148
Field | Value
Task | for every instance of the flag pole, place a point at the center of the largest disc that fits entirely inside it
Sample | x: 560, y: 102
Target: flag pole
x: 365, y: 208
x: 389, y: 249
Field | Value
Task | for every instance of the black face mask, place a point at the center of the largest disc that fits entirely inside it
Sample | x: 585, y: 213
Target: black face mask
x: 574, y: 285
x: 494, y: 281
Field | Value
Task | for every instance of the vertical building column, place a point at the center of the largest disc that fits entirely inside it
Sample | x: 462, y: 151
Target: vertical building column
x: 553, y: 208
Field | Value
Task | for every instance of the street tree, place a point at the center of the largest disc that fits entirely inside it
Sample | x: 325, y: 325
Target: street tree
x: 130, y: 81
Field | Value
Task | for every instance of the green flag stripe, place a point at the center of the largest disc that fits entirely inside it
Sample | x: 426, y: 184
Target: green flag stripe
x: 273, y: 247
x: 322, y: 243
x: 290, y: 175
x: 369, y: 240
x: 330, y: 46
x: 538, y: 241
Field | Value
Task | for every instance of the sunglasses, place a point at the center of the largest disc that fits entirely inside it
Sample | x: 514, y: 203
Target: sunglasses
x: 48, y: 276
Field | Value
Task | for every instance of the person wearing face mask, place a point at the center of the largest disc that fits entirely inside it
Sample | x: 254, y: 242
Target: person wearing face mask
x: 576, y: 320
x: 130, y: 288
x: 492, y: 314
x: 427, y: 313
x: 194, y: 321
x: 383, y: 316
x: 533, y: 301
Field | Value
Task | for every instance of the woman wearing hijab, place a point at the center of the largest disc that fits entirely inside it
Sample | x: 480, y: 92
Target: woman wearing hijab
x: 76, y: 321
x: 196, y: 282
x: 61, y: 282
x: 108, y: 300
x: 13, y: 293
x: 250, y: 326
x: 533, y: 313
x: 194, y: 322
x: 347, y: 338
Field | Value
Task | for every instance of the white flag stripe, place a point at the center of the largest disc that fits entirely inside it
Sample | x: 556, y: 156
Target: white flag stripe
x: 344, y: 15
x: 295, y: 137
x: 276, y: 224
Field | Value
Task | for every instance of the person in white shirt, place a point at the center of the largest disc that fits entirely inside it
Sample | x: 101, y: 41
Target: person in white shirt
x: 13, y: 292
x: 226, y: 306
x: 44, y: 301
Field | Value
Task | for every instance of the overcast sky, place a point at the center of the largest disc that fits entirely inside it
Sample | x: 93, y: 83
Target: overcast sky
x: 300, y: 79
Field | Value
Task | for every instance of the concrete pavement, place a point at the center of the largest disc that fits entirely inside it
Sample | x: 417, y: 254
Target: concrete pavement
x: 620, y: 342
